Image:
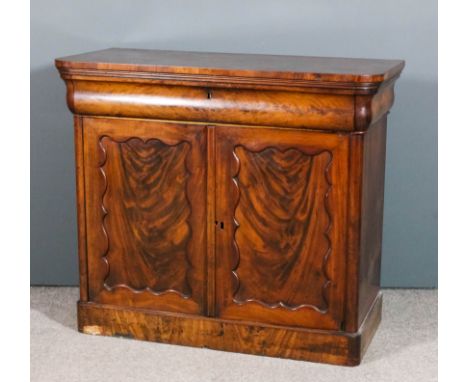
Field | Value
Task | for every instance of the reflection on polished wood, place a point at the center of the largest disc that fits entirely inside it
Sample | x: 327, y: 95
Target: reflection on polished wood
x: 231, y: 201
x: 147, y: 215
x: 283, y: 223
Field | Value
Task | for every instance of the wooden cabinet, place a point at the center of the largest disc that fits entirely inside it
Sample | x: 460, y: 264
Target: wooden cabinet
x: 231, y: 201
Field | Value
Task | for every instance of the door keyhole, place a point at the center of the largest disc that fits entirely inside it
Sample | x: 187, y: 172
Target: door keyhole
x: 221, y: 224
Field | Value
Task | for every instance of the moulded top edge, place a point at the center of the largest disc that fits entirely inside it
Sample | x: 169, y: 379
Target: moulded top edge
x: 292, y: 68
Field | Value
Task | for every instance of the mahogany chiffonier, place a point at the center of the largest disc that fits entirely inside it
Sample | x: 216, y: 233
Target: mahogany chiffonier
x: 231, y: 201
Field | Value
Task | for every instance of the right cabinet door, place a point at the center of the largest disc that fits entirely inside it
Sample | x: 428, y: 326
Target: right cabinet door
x: 281, y: 201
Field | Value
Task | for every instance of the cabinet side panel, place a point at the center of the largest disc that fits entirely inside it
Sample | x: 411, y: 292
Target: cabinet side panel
x: 373, y: 179
x: 80, y: 207
x: 353, y: 231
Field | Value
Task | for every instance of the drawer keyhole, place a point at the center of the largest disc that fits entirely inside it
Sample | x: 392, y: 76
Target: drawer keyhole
x: 209, y: 94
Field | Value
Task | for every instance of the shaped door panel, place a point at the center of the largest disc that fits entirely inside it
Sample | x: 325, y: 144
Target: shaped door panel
x: 280, y: 244
x: 145, y: 212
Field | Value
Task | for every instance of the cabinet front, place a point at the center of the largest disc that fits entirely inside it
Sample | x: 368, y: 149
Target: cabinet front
x: 280, y: 226
x: 145, y: 213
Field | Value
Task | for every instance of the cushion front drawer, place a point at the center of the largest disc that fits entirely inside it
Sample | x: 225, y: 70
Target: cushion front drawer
x: 218, y: 105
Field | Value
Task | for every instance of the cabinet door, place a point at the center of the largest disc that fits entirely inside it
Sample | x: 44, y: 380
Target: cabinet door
x: 145, y: 213
x: 280, y: 211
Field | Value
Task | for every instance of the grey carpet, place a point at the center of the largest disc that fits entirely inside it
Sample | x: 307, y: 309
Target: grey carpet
x: 404, y: 349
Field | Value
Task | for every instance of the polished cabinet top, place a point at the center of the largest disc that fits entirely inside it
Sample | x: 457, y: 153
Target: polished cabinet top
x: 294, y: 68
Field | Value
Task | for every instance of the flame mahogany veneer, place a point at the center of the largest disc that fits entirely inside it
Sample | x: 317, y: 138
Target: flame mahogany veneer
x: 231, y: 201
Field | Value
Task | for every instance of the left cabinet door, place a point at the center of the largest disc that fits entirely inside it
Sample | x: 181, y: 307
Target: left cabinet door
x: 145, y: 197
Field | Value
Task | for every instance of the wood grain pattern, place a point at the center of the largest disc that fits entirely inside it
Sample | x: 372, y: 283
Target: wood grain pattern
x: 211, y: 221
x: 231, y: 201
x: 353, y: 229
x: 283, y: 221
x: 232, y: 65
x: 266, y: 108
x: 81, y: 207
x: 332, y: 347
x: 348, y: 96
x: 146, y: 215
x: 365, y: 220
x: 277, y: 197
x: 146, y: 182
x: 373, y: 185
